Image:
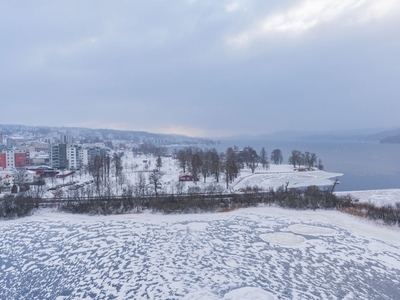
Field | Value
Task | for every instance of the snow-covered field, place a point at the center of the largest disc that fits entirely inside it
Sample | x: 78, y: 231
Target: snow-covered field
x: 255, y: 253
x: 278, y: 175
x: 273, y: 177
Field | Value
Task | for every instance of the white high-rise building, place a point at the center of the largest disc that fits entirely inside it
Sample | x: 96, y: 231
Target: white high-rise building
x: 74, y: 156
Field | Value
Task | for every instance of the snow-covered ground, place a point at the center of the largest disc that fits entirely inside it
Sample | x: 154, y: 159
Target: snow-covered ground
x: 273, y: 177
x: 278, y: 175
x: 375, y: 197
x: 255, y: 253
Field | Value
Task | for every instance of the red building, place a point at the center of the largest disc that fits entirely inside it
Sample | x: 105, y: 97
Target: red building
x: 3, y: 164
x: 19, y: 159
x: 44, y: 171
x: 12, y: 158
x: 187, y: 177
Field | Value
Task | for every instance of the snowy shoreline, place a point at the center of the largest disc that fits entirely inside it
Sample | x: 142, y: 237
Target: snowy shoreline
x: 375, y: 197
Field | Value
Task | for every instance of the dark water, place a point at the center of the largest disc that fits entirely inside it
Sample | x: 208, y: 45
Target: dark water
x: 365, y: 165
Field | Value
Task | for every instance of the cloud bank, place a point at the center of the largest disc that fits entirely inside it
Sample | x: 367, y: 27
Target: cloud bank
x: 201, y: 67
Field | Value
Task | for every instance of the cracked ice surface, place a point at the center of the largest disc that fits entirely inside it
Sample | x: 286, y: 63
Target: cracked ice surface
x: 257, y: 253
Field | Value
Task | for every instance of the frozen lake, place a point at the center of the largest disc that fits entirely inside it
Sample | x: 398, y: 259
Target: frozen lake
x: 365, y: 165
x: 258, y: 253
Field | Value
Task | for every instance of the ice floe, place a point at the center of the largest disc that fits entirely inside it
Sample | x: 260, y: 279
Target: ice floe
x: 283, y: 239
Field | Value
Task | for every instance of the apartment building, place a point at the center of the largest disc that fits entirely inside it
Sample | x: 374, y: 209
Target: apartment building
x: 13, y: 158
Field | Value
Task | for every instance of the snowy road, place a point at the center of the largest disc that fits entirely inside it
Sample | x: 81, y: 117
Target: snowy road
x: 258, y: 253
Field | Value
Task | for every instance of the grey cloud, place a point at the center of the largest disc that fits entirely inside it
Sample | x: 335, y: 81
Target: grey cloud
x: 160, y: 64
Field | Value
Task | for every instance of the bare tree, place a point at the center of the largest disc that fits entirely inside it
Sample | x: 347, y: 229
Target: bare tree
x: 155, y: 180
x: 132, y: 166
x: 264, y: 158
x: 251, y: 158
x: 19, y: 175
x: 108, y: 188
x: 310, y: 159
x: 196, y: 164
x: 231, y: 166
x: 95, y: 169
x: 140, y: 185
x: 276, y: 156
x: 179, y: 187
x: 2, y: 183
x: 37, y: 191
x: 336, y: 182
x: 117, y: 165
x: 215, y: 164
x: 159, y: 162
x: 183, y: 157
x: 206, y: 164
x: 295, y: 158
x: 320, y: 165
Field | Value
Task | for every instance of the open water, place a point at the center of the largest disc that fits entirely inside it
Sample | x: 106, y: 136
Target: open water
x: 365, y: 165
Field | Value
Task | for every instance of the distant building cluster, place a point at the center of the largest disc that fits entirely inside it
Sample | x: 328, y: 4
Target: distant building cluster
x: 73, y: 156
x: 56, y: 151
x: 33, y: 147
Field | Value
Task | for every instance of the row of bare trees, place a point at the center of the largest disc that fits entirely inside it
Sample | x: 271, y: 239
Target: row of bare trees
x: 306, y: 159
x: 149, y: 148
x: 198, y: 161
x: 310, y: 198
x: 209, y: 198
x: 210, y: 162
x: 102, y: 168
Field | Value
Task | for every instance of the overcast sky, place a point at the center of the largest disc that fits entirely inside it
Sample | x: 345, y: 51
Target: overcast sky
x: 201, y: 68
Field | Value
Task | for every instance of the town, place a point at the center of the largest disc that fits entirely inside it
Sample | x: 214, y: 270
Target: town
x: 34, y: 156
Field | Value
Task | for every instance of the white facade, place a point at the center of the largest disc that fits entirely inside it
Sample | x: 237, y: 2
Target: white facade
x: 10, y: 163
x: 60, y: 138
x: 74, y: 156
x: 89, y: 153
x: 85, y: 157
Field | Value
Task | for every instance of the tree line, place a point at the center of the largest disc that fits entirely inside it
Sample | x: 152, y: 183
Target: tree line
x: 312, y: 198
x: 110, y: 176
x: 211, y: 163
x: 306, y: 159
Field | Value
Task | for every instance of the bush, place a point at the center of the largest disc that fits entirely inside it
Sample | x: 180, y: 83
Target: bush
x: 16, y: 206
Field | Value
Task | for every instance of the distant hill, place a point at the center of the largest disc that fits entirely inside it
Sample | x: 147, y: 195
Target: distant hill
x: 343, y: 135
x: 284, y: 135
x: 383, y: 135
x: 391, y: 140
x: 96, y: 135
x: 332, y: 137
